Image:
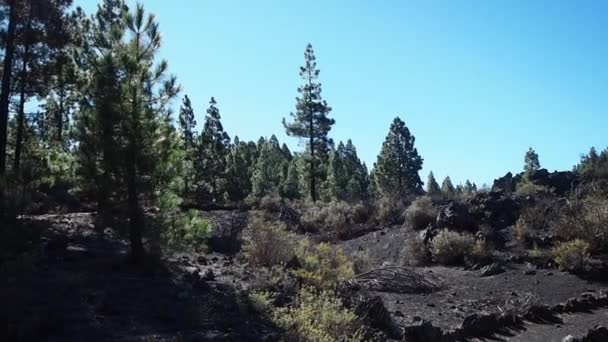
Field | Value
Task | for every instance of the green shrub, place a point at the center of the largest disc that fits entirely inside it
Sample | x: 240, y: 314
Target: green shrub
x: 188, y: 229
x: 587, y: 220
x: 452, y: 248
x: 323, y: 266
x: 270, y: 203
x: 269, y: 243
x: 318, y: 317
x: 389, y: 211
x: 420, y: 213
x: 572, y: 255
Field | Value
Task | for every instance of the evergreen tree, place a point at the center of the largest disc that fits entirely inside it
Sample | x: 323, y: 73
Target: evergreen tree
x: 398, y: 164
x: 447, y: 188
x: 146, y: 126
x: 187, y: 125
x: 531, y: 162
x: 126, y: 106
x: 213, y: 149
x: 311, y: 121
x: 290, y: 184
x: 470, y: 188
x: 432, y: 187
x: 239, y: 165
x: 267, y: 177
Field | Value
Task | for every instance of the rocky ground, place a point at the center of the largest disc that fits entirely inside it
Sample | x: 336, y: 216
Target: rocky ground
x: 76, y: 286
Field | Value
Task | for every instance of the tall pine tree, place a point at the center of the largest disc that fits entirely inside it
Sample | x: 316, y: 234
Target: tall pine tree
x: 187, y: 125
x: 311, y: 121
x: 210, y: 162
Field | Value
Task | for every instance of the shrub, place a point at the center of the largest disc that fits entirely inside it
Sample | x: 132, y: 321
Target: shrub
x: 415, y: 253
x: 572, y: 255
x: 420, y: 213
x: 270, y: 243
x: 319, y: 317
x: 389, y: 211
x: 270, y: 203
x: 587, y: 220
x: 334, y: 219
x: 481, y: 250
x: 361, y: 263
x: 452, y: 248
x: 186, y: 229
x: 323, y: 266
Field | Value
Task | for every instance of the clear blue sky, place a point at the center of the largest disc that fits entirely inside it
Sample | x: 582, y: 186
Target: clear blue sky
x: 477, y: 82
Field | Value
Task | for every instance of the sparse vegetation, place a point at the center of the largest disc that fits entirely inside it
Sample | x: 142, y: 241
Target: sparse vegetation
x: 585, y: 219
x: 333, y: 219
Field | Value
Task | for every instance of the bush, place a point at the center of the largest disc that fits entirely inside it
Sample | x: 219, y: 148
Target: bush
x: 587, y: 220
x: 319, y: 317
x: 270, y: 203
x: 323, y: 266
x: 572, y: 255
x: 186, y: 229
x: 270, y: 243
x: 334, y: 219
x: 389, y: 211
x: 415, y: 253
x: 420, y: 213
x: 452, y: 248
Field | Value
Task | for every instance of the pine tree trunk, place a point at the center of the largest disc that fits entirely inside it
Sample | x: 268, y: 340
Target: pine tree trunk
x: 59, y: 114
x: 5, y: 94
x: 137, y: 248
x: 21, y: 112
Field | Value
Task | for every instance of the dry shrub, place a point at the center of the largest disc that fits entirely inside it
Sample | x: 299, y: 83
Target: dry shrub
x: 334, y: 219
x: 585, y: 219
x: 415, y: 253
x: 420, y: 213
x: 572, y: 255
x: 452, y: 248
x: 389, y: 211
x: 270, y: 243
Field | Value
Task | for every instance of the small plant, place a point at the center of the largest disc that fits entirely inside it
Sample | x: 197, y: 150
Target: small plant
x: 521, y: 230
x: 262, y: 301
x: 481, y: 250
x: 452, y: 248
x: 572, y: 255
x: 318, y: 316
x: 270, y: 243
x: 323, y: 266
x: 186, y: 229
x: 420, y: 213
x: 536, y: 252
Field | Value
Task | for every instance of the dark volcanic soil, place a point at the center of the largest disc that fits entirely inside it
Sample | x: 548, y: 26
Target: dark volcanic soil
x: 84, y: 291
x: 464, y: 293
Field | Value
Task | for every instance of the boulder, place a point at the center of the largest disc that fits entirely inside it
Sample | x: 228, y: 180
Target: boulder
x: 497, y: 209
x: 455, y: 216
x: 560, y: 181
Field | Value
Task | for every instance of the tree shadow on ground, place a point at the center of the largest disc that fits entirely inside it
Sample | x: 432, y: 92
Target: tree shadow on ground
x: 84, y: 290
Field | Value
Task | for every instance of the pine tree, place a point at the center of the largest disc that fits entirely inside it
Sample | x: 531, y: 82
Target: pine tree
x: 290, y: 184
x: 311, y: 122
x: 126, y: 140
x: 239, y: 164
x: 187, y: 125
x: 398, y: 164
x: 266, y: 180
x: 432, y: 187
x: 447, y: 188
x: 146, y: 126
x: 210, y: 164
x: 531, y: 162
